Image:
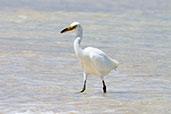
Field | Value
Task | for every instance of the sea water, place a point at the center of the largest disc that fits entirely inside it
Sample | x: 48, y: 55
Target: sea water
x: 40, y: 74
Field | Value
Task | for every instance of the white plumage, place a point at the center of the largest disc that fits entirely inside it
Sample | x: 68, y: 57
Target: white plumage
x: 94, y: 61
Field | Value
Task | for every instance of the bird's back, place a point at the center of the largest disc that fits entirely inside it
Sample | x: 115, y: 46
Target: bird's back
x: 100, y: 62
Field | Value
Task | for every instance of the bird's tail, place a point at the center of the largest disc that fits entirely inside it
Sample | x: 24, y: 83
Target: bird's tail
x: 115, y: 63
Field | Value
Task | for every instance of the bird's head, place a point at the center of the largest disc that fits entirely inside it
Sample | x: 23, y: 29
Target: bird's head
x: 74, y: 25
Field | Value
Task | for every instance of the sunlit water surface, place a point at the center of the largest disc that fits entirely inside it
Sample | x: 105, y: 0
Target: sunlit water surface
x: 39, y: 72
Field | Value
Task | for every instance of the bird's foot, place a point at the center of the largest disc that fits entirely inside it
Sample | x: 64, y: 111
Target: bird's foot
x: 84, y: 87
x: 104, y: 86
x: 82, y: 90
x: 104, y: 89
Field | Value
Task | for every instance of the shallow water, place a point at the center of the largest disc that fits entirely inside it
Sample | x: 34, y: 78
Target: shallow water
x: 39, y: 72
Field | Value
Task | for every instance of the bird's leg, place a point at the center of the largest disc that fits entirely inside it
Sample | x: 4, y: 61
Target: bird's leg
x: 84, y: 86
x: 104, y: 86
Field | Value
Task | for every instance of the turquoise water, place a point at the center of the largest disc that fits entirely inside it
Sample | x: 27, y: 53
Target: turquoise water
x: 40, y: 74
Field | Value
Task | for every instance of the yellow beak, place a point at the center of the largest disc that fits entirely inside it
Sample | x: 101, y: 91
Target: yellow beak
x: 68, y: 28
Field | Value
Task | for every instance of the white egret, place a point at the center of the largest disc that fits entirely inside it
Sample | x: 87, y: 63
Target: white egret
x: 93, y: 61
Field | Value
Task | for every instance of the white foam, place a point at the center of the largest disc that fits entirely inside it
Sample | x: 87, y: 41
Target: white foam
x: 33, y: 112
x: 22, y: 17
x: 46, y: 112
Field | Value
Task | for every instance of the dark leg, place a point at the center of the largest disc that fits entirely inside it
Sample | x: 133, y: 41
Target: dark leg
x: 104, y: 86
x: 84, y: 87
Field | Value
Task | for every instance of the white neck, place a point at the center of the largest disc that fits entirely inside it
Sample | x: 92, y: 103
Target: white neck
x: 77, y: 42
